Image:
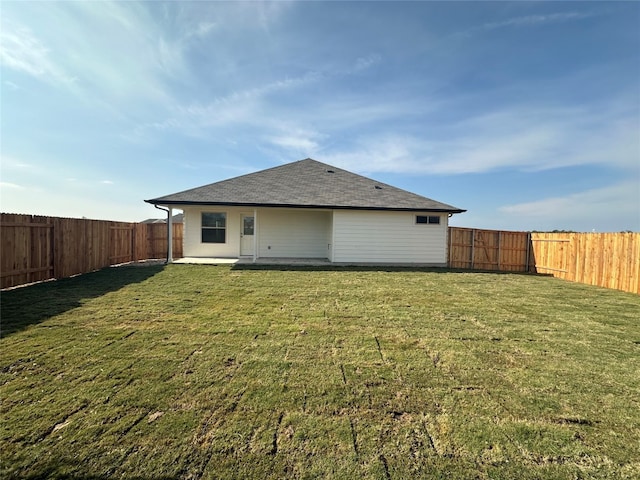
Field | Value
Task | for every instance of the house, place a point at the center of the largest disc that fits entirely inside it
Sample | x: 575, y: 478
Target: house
x: 176, y: 219
x: 307, y: 209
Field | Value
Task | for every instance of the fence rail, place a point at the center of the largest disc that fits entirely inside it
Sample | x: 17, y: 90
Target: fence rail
x: 610, y: 260
x: 36, y: 248
x: 489, y: 249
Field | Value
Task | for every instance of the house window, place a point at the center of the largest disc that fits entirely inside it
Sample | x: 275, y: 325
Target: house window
x: 428, y: 219
x: 214, y: 227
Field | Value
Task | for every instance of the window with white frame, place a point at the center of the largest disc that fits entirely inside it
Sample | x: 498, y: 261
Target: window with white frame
x: 214, y: 227
x: 428, y: 219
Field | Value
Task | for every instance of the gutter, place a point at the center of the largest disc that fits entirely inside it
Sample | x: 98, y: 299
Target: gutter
x: 310, y: 206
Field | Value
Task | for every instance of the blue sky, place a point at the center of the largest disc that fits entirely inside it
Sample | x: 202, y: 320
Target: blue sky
x: 525, y: 114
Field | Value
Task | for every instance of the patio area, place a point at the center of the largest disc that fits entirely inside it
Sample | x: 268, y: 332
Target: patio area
x: 249, y: 261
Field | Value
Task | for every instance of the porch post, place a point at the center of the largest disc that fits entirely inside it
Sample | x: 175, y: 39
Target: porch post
x: 255, y: 234
x: 170, y: 236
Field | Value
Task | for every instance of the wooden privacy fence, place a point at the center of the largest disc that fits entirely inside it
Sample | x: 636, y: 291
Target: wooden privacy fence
x: 36, y: 248
x: 610, y: 260
x: 489, y: 250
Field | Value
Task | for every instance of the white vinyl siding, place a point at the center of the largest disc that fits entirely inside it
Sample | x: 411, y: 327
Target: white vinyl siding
x: 288, y: 233
x: 342, y: 236
x: 388, y: 237
x: 192, y: 235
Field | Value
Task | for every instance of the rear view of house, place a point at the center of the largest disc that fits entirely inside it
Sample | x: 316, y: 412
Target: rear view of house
x: 308, y: 209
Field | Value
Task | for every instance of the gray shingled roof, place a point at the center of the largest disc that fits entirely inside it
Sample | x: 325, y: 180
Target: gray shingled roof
x: 305, y: 184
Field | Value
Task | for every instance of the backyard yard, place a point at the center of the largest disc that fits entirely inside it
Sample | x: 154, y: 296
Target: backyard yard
x: 191, y: 372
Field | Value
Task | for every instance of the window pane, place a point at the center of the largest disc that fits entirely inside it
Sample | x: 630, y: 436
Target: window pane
x: 433, y: 219
x: 213, y: 235
x: 218, y: 220
x: 248, y: 226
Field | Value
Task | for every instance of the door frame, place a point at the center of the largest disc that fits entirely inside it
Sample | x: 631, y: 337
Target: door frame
x: 251, y: 248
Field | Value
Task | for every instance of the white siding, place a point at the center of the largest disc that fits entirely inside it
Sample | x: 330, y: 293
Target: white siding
x: 343, y: 236
x: 193, y: 246
x: 388, y: 237
x: 289, y: 233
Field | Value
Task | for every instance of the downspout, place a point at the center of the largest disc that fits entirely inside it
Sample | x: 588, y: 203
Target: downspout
x: 169, y: 232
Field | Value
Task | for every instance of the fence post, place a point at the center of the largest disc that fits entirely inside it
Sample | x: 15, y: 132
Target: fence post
x: 134, y: 255
x: 473, y: 247
x: 499, y: 242
x: 527, y: 266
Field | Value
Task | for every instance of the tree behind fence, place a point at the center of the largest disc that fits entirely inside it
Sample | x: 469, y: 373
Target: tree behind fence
x: 36, y: 248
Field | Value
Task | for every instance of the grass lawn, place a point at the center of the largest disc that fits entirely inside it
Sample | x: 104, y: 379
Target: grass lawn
x: 214, y: 372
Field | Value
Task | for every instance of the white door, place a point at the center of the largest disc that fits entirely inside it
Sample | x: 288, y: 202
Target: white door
x: 246, y: 235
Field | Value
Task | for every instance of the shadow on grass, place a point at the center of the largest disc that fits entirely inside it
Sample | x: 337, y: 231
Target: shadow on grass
x: 25, y: 306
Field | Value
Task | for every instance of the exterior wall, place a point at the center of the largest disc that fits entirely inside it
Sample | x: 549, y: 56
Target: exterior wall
x: 342, y: 236
x: 388, y: 237
x: 294, y: 233
x: 193, y: 246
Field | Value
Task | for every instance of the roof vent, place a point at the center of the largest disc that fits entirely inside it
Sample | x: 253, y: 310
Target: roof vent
x: 331, y: 171
x: 378, y: 187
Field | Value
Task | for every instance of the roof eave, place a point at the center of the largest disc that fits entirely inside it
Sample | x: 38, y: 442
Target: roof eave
x: 157, y: 201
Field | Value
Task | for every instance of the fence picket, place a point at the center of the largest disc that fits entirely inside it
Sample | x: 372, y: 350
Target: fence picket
x: 36, y: 248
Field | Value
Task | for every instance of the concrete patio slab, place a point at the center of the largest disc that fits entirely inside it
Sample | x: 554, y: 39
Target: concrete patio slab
x: 249, y: 261
x: 206, y: 260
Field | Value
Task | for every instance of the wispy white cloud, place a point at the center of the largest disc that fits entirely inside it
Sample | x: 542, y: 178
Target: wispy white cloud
x: 526, y: 21
x: 202, y: 29
x: 621, y: 200
x: 521, y: 137
x: 386, y: 153
x: 268, y: 13
x: 297, y: 142
x: 108, y: 54
x: 13, y: 163
x: 106, y: 182
x: 14, y: 186
x: 532, y: 20
x: 21, y: 50
x: 366, y: 62
x: 537, y: 139
x: 247, y: 107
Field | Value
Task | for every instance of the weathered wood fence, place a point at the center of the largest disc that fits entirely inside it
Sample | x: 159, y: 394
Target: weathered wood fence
x: 36, y: 248
x: 489, y: 250
x: 610, y: 260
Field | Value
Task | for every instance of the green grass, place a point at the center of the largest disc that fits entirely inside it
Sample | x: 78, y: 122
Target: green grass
x: 213, y: 372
